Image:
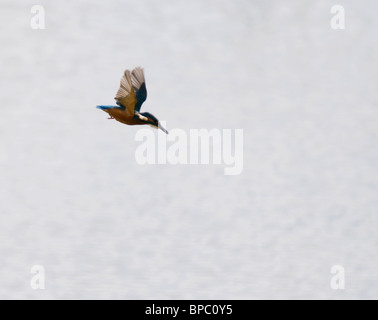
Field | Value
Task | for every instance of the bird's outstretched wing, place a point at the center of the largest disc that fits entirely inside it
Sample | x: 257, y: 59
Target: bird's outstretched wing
x: 139, y: 86
x: 126, y: 94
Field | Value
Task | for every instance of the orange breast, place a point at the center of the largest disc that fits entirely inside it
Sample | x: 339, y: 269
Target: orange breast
x: 123, y: 116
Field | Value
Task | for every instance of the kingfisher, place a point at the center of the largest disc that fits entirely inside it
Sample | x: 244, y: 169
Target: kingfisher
x: 129, y: 99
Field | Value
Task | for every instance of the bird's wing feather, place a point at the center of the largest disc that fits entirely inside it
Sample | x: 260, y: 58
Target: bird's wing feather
x: 139, y: 86
x: 126, y: 94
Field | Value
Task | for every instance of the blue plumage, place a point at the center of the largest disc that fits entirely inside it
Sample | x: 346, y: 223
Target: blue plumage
x: 110, y: 107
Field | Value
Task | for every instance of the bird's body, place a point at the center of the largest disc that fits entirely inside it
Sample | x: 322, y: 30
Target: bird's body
x: 130, y: 97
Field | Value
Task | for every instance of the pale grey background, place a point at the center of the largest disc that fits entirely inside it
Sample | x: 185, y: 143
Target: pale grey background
x: 74, y: 200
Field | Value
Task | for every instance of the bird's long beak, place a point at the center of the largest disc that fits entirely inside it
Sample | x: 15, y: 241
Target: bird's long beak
x: 162, y: 128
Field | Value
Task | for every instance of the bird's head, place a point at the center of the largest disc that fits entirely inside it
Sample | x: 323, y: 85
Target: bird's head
x: 150, y: 119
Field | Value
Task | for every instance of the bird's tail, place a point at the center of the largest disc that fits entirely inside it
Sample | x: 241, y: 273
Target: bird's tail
x: 106, y: 107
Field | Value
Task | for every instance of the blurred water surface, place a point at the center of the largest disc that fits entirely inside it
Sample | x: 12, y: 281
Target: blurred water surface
x: 74, y: 200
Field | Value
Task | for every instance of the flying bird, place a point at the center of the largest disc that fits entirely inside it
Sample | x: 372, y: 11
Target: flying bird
x: 129, y: 99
